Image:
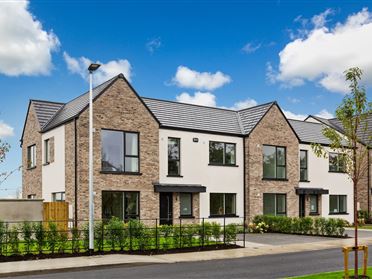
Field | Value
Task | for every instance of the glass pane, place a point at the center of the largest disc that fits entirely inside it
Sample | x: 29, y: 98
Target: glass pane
x: 185, y: 204
x: 342, y: 203
x: 230, y: 204
x: 112, y: 205
x: 341, y: 163
x: 173, y: 149
x: 131, y: 144
x: 216, y: 152
x: 131, y: 164
x: 303, y: 174
x: 216, y: 204
x: 173, y: 167
x: 46, y: 151
x: 131, y: 205
x: 269, y: 162
x: 112, y: 151
x: 280, y: 152
x: 314, y: 204
x: 333, y: 208
x: 230, y: 154
x: 333, y: 162
x: 280, y: 204
x: 303, y: 159
x: 269, y: 204
x: 280, y: 172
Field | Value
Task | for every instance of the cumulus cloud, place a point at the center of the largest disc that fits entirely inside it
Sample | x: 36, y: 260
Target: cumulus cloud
x: 105, y: 72
x: 244, y: 104
x: 325, y: 114
x: 199, y: 98
x: 188, y: 78
x: 5, y: 130
x: 321, y: 54
x: 153, y: 45
x: 25, y: 47
x: 250, y: 47
x: 294, y: 100
x: 292, y: 115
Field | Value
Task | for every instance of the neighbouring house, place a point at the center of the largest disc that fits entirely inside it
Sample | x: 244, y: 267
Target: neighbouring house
x: 157, y: 159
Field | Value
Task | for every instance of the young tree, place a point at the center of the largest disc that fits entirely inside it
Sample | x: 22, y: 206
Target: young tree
x: 353, y: 140
x: 4, y: 148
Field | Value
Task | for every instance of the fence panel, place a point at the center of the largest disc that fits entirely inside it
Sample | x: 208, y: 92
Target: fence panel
x: 56, y: 212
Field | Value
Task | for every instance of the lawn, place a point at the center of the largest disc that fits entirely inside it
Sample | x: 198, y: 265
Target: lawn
x: 333, y: 275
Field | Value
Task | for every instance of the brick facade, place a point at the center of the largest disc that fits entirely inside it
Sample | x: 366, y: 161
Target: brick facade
x: 31, y: 178
x: 267, y: 132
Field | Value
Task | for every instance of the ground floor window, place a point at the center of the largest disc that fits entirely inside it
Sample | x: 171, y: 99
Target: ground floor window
x: 222, y: 204
x: 185, y: 204
x: 58, y: 196
x: 121, y: 204
x: 31, y: 197
x: 314, y: 205
x: 337, y: 204
x: 275, y: 204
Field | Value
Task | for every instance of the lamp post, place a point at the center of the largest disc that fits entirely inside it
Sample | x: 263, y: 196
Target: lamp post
x: 93, y: 67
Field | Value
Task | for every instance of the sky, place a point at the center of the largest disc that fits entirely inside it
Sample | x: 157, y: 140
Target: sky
x: 231, y: 54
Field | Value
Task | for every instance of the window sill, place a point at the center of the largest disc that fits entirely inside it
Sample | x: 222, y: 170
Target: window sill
x: 222, y: 165
x: 337, y: 171
x: 46, y: 164
x: 338, y: 213
x: 224, y: 216
x: 186, y: 217
x: 313, y: 214
x: 31, y: 168
x: 121, y: 172
x: 174, y: 175
x: 276, y: 179
x: 306, y: 181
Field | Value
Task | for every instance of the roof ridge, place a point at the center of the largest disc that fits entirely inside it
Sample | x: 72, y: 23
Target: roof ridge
x: 45, y: 101
x: 260, y: 105
x: 46, y: 123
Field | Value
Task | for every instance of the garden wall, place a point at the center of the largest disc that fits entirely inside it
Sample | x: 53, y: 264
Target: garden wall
x: 17, y: 210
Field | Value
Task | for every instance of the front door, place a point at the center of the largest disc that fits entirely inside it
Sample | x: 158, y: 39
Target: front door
x: 166, y: 208
x: 302, y: 206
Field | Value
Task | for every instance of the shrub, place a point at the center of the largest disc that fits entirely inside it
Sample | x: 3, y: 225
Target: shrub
x: 166, y: 232
x: 207, y: 232
x: 230, y: 233
x: 187, y: 235
x: 3, y: 236
x: 52, y: 236
x: 115, y: 233
x: 98, y: 235
x: 62, y: 241
x: 14, y: 240
x: 216, y: 231
x: 75, y: 239
x: 306, y: 225
x: 85, y: 231
x: 26, y: 229
x: 260, y: 227
x: 39, y: 236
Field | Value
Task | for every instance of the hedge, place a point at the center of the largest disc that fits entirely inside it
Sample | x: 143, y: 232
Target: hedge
x: 305, y: 225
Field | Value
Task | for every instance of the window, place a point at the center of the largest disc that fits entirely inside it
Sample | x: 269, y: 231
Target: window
x: 337, y: 204
x: 123, y: 205
x: 303, y: 166
x: 120, y: 151
x: 46, y: 151
x: 274, y: 162
x: 31, y: 197
x: 314, y: 204
x: 174, y: 156
x: 336, y: 162
x: 222, y: 204
x: 58, y: 196
x: 221, y: 153
x: 31, y: 156
x: 275, y: 204
x: 186, y: 204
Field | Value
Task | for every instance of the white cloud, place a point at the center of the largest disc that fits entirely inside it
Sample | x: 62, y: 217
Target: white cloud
x: 188, y: 78
x: 105, y: 72
x: 5, y: 130
x: 199, y: 98
x: 324, y: 53
x: 293, y: 100
x: 153, y: 45
x: 325, y: 114
x: 292, y: 115
x: 250, y: 47
x: 244, y: 104
x: 25, y: 48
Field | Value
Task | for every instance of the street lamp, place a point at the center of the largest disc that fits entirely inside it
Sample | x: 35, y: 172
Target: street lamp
x: 92, y: 67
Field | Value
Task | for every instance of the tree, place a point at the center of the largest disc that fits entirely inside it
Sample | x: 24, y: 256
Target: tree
x: 353, y: 138
x: 4, y: 148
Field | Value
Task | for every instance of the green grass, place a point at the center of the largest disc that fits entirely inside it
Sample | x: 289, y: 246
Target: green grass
x: 333, y: 275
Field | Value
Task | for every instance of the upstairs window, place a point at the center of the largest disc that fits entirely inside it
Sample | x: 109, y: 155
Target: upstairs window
x: 58, y: 196
x: 46, y: 151
x: 222, y: 153
x: 336, y: 162
x: 303, y: 166
x: 174, y: 157
x: 31, y: 156
x: 120, y: 151
x: 274, y: 162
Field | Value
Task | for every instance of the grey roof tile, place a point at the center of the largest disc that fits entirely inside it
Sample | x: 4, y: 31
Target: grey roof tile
x: 249, y: 117
x: 45, y: 110
x: 309, y: 132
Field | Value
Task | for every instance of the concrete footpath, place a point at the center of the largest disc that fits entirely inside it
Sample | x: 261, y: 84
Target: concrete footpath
x: 252, y: 249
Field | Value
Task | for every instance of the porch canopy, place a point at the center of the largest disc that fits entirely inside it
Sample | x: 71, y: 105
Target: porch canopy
x: 311, y: 191
x: 179, y: 188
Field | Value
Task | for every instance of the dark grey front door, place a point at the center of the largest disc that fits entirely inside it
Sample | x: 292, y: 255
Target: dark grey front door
x: 166, y: 208
x: 302, y: 205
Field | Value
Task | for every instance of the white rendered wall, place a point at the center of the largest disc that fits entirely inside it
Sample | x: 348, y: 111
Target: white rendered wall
x: 53, y: 175
x: 336, y: 183
x: 195, y: 168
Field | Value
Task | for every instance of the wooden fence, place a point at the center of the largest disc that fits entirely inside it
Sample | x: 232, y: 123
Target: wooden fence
x: 56, y: 212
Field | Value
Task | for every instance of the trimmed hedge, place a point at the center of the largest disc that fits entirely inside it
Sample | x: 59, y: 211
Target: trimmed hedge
x: 306, y: 225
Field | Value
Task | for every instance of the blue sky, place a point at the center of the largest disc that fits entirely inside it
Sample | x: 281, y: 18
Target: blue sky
x: 233, y: 53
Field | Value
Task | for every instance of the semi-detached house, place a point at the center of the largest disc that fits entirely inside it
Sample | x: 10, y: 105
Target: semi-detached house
x: 157, y: 159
